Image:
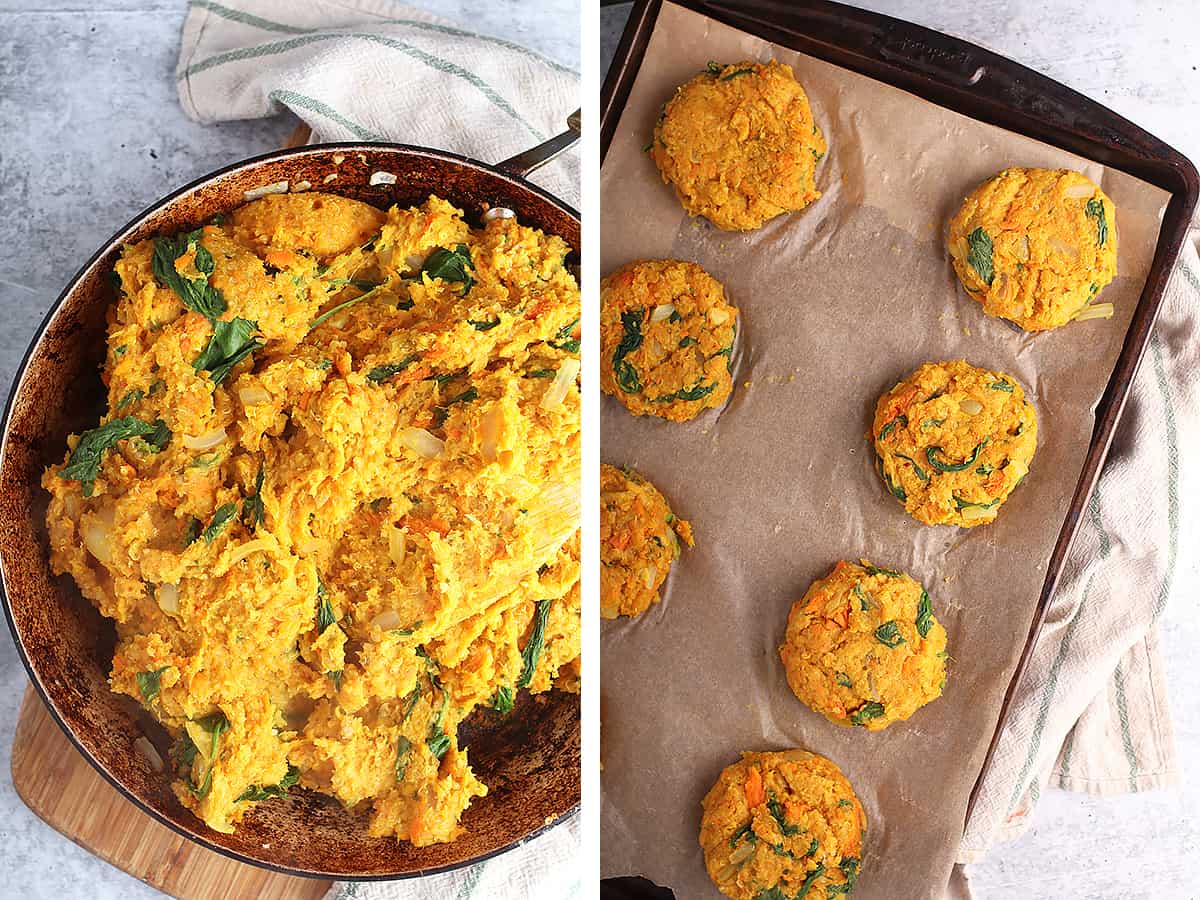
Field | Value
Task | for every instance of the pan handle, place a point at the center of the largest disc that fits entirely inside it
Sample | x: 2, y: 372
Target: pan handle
x: 536, y: 157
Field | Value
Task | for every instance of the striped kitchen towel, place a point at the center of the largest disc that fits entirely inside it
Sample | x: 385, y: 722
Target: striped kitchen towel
x: 1091, y: 713
x: 374, y: 70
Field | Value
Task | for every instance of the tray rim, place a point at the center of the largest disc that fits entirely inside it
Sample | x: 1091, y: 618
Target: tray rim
x: 1122, y: 144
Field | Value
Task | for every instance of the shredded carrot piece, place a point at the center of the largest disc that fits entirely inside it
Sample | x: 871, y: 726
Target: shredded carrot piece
x: 537, y: 309
x: 901, y: 402
x: 756, y: 794
x: 994, y: 483
x: 425, y: 526
x: 280, y: 259
x: 416, y: 829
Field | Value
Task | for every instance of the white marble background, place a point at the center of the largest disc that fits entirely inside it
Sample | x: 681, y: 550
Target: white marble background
x: 1140, y: 59
x: 91, y: 133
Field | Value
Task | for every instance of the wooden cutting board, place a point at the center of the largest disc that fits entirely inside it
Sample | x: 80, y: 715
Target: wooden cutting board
x: 66, y: 793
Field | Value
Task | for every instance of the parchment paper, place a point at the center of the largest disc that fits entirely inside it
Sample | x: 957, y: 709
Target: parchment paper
x: 837, y: 303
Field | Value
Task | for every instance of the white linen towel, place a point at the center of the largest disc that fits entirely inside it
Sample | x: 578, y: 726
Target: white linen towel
x: 374, y: 70
x: 1091, y: 713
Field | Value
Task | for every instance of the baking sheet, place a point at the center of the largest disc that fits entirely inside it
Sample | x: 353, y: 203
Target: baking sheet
x: 837, y: 303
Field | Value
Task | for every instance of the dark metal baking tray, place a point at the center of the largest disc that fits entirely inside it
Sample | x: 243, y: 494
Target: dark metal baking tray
x: 975, y: 82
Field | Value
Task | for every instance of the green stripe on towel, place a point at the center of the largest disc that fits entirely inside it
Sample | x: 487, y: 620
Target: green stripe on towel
x: 234, y: 15
x: 314, y: 105
x: 244, y: 18
x: 472, y: 879
x: 1126, y: 736
x: 434, y: 62
x: 1164, y: 388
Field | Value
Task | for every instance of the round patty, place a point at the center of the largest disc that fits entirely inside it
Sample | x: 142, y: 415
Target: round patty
x: 1035, y: 246
x: 639, y: 539
x: 863, y: 647
x: 784, y: 824
x: 666, y: 339
x: 739, y: 144
x: 952, y: 441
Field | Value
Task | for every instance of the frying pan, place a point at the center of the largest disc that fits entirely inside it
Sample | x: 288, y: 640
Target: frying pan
x: 530, y: 760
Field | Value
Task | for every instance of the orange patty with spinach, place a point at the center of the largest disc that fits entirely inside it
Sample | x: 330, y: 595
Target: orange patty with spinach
x: 1035, y: 246
x: 639, y: 539
x: 863, y: 647
x: 782, y: 825
x: 666, y: 339
x: 952, y: 442
x: 739, y: 144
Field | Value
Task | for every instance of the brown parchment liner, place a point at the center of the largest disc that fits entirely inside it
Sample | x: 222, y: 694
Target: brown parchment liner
x: 838, y: 302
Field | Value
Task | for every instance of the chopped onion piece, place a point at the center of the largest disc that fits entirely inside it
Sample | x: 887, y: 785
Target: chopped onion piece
x: 143, y: 746
x: 564, y: 380
x: 491, y: 427
x: 332, y: 176
x: 422, y: 442
x: 1097, y: 311
x: 970, y: 406
x: 718, y: 316
x: 204, y: 441
x: 1003, y: 285
x: 252, y: 396
x: 387, y: 620
x: 1058, y: 245
x: 744, y: 851
x: 312, y: 546
x: 243, y: 550
x: 201, y: 738
x: 727, y: 872
x: 279, y: 187
x: 1022, y: 248
x: 397, y: 545
x: 414, y: 262
x: 96, y: 537
x: 978, y: 512
x: 339, y: 158
x: 498, y: 212
x: 1079, y: 191
x: 662, y: 311
x: 301, y: 186
x: 649, y: 573
x: 382, y: 178
x: 168, y: 599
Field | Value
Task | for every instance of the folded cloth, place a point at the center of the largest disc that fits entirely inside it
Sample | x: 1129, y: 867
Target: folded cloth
x: 1091, y: 713
x: 374, y: 70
